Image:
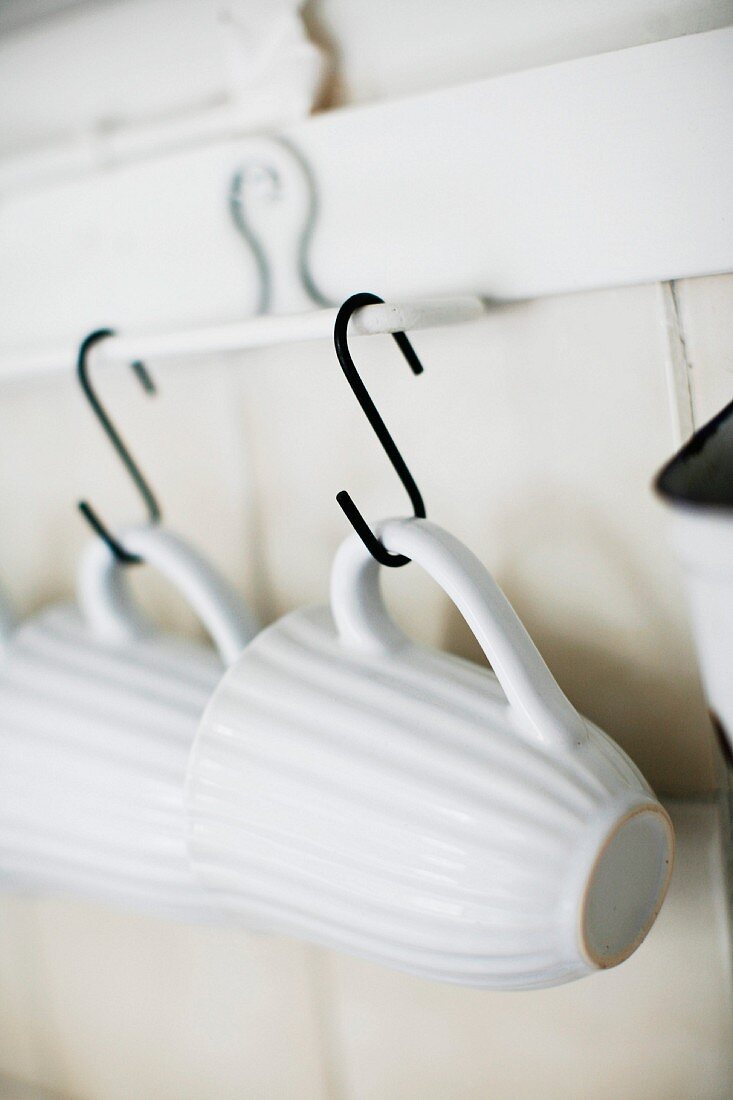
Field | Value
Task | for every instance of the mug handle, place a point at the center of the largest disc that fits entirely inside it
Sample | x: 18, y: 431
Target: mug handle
x: 364, y: 623
x: 108, y: 606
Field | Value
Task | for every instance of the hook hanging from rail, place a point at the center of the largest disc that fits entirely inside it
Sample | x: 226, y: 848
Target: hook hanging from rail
x: 375, y: 547
x: 136, y: 475
x: 276, y: 179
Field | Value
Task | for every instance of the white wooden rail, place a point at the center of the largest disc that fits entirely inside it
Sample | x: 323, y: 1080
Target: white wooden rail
x: 253, y: 333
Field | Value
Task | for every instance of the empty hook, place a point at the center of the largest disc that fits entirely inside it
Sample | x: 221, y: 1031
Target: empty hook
x: 138, y: 479
x: 277, y: 174
x: 375, y: 547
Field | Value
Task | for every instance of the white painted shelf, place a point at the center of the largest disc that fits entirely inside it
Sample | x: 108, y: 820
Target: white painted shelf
x: 605, y: 171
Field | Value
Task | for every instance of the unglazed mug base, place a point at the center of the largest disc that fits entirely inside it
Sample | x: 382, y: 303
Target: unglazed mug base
x: 617, y: 909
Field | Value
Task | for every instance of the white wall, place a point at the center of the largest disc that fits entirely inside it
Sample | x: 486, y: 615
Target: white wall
x: 379, y: 48
x: 535, y: 435
x: 386, y: 48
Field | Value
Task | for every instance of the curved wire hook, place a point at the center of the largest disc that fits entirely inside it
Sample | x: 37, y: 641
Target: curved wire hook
x: 375, y: 547
x: 138, y: 479
x: 239, y: 215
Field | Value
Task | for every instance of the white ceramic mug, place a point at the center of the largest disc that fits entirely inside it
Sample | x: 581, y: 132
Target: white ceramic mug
x: 697, y: 487
x: 98, y: 712
x: 353, y: 788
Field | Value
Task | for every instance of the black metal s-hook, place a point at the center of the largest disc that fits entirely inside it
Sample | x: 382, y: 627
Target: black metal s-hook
x: 375, y: 547
x: 136, y: 475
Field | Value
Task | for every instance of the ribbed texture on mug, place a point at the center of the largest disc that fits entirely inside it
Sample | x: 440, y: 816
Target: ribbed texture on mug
x: 329, y: 797
x: 94, y: 740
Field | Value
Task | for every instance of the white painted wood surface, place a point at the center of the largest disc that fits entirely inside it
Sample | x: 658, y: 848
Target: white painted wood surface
x: 534, y: 433
x: 609, y: 170
x: 473, y: 40
x: 99, y: 68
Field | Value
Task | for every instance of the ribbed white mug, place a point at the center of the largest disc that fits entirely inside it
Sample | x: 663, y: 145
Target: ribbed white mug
x: 98, y: 712
x: 353, y: 788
